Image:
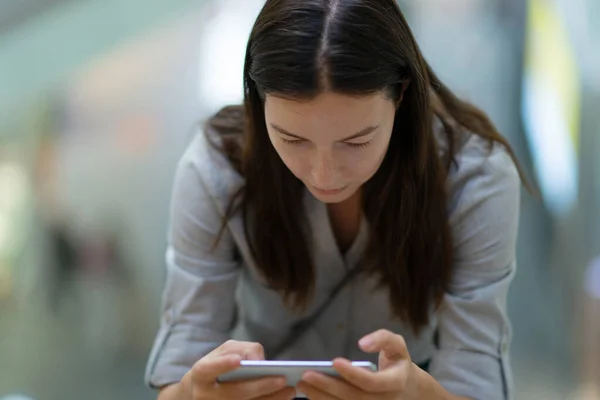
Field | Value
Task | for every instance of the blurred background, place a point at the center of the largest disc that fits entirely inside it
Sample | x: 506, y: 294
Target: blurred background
x: 98, y: 99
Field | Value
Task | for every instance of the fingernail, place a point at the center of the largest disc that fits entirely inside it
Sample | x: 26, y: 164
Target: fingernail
x: 366, y: 343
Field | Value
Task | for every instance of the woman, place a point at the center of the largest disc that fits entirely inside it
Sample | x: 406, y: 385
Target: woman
x: 353, y: 197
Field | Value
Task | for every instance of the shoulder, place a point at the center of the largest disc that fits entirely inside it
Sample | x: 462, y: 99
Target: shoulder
x: 484, y: 201
x: 482, y: 170
x: 204, y: 167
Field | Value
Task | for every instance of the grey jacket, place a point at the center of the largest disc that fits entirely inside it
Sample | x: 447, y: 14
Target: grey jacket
x: 212, y: 296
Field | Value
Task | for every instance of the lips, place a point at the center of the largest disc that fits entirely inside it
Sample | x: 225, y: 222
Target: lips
x: 328, y: 192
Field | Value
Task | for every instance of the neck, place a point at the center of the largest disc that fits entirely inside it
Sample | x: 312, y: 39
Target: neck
x: 345, y: 220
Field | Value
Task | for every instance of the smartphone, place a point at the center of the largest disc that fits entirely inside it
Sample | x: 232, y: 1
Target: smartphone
x: 292, y: 370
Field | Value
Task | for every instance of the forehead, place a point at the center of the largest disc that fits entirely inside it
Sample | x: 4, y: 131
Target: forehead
x: 329, y: 113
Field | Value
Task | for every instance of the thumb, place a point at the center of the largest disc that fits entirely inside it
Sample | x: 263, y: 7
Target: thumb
x: 208, y: 369
x: 391, y: 345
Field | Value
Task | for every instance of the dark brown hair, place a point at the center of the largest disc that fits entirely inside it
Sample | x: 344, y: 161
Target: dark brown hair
x: 300, y: 48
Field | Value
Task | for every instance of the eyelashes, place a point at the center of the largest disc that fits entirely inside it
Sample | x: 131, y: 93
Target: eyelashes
x: 354, y: 145
x: 292, y: 142
x: 359, y: 145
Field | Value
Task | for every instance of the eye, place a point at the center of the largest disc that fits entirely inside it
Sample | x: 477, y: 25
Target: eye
x: 295, y: 141
x: 359, y: 145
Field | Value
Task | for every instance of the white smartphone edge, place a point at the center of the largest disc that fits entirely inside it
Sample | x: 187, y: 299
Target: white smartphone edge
x: 302, y: 364
x: 292, y: 370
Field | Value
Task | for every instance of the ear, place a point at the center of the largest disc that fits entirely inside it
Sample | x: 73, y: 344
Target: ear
x: 403, y: 89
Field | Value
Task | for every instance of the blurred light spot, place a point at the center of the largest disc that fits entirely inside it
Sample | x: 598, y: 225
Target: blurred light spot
x: 13, y: 186
x: 222, y: 53
x: 552, y: 152
x: 551, y: 105
x: 13, y: 192
x: 138, y: 134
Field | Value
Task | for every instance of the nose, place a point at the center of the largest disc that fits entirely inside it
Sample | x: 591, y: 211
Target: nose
x: 324, y: 171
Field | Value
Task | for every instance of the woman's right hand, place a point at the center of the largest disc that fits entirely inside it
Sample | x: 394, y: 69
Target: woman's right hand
x: 200, y: 383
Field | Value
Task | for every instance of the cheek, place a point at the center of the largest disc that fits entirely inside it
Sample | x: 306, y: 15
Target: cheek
x: 362, y: 164
x: 294, y: 158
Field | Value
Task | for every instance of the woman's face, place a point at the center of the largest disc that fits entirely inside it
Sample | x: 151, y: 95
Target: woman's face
x: 333, y: 143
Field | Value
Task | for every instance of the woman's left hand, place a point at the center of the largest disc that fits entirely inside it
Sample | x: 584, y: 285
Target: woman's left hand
x: 395, y: 380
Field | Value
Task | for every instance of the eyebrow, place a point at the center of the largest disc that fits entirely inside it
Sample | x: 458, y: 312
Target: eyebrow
x: 361, y: 133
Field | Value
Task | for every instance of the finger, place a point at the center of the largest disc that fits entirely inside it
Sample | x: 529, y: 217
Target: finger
x: 251, y: 389
x: 209, y: 368
x: 255, y: 351
x: 368, y: 381
x: 337, y: 388
x: 393, y: 345
x: 246, y: 350
x: 314, y: 393
x: 287, y: 393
